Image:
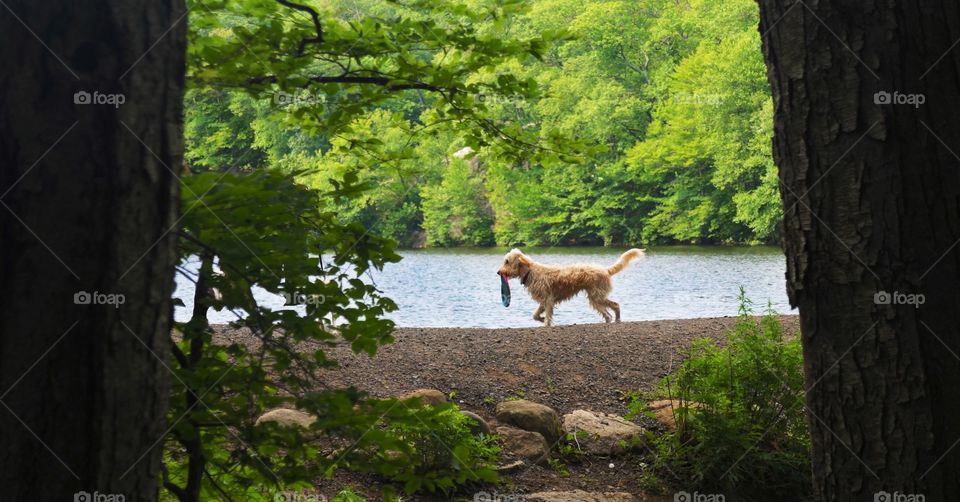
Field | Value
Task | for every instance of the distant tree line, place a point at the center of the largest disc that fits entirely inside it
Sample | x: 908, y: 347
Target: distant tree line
x: 670, y: 97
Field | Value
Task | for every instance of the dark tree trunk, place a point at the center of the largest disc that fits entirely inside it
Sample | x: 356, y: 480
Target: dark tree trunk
x: 88, y: 204
x: 872, y: 203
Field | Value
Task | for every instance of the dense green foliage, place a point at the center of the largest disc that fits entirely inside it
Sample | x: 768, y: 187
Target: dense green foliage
x: 274, y: 240
x: 740, y: 422
x: 672, y: 96
x: 249, y: 223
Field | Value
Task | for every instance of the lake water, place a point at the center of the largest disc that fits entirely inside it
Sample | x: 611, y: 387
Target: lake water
x: 460, y: 288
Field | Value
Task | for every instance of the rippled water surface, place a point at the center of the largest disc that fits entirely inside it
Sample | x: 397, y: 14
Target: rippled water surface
x: 460, y: 288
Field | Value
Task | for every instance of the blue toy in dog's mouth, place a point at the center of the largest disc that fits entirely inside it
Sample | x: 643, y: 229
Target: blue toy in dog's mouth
x: 504, y: 290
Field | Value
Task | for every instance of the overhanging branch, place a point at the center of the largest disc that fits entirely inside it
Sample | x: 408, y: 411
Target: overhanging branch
x: 386, y: 82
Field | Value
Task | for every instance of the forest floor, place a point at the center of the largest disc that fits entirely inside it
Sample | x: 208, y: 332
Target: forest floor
x: 591, y: 366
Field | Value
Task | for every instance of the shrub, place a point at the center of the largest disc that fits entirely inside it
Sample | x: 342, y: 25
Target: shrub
x: 348, y: 495
x: 437, y: 451
x: 740, y: 421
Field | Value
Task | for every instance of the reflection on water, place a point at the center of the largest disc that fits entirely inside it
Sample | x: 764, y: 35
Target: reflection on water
x: 460, y: 288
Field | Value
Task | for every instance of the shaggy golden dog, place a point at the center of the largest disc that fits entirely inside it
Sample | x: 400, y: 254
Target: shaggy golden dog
x: 550, y: 284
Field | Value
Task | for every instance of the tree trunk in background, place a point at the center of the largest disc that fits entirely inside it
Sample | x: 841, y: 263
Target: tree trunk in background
x: 88, y: 204
x: 872, y: 203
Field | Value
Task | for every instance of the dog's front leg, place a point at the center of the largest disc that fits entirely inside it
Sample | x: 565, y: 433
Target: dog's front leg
x: 538, y: 314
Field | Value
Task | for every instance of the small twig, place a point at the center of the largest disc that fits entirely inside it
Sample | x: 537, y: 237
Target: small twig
x: 179, y: 492
x: 185, y: 273
x: 316, y: 24
x: 215, y: 485
x: 179, y: 355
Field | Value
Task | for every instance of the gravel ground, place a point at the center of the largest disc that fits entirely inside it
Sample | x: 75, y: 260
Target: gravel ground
x: 589, y: 366
x: 565, y: 367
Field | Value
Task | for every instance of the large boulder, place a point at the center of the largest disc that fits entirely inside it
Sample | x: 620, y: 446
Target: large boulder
x: 531, y: 416
x: 286, y: 417
x: 581, y: 496
x: 527, y: 445
x: 602, y: 434
x: 431, y: 397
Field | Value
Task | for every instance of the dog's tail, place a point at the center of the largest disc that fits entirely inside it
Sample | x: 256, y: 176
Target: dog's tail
x: 625, y: 260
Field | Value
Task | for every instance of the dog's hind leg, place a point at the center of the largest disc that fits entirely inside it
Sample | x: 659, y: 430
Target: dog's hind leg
x: 615, y: 307
x: 600, y: 304
x: 548, y: 314
x: 538, y: 314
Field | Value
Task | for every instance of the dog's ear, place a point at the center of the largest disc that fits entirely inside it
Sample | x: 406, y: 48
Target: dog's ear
x: 524, y: 260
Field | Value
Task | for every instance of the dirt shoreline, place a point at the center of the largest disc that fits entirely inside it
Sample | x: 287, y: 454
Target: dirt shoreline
x: 565, y: 367
x: 587, y: 366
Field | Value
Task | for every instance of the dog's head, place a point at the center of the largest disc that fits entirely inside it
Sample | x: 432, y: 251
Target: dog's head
x: 515, y: 264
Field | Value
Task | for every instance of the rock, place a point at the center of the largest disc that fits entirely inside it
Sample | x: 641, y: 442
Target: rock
x: 463, y: 152
x: 286, y: 417
x: 482, y: 426
x: 419, y: 240
x: 665, y: 411
x: 531, y: 416
x: 430, y: 397
x: 523, y: 444
x: 602, y: 434
x: 581, y: 496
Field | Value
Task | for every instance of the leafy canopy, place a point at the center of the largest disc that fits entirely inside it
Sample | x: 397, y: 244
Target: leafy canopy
x: 275, y: 87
